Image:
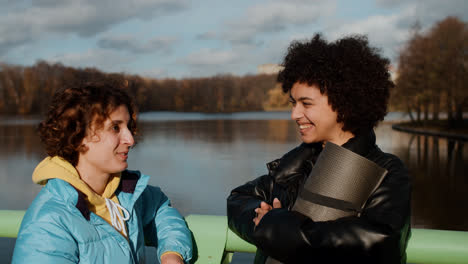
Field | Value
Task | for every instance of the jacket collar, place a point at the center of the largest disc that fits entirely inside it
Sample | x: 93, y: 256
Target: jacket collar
x: 128, y: 181
x: 361, y: 144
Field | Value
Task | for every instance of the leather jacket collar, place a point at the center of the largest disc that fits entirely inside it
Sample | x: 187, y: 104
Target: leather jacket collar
x: 361, y: 144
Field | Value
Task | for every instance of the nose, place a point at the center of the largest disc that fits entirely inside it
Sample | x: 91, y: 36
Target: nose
x: 296, y: 112
x: 127, y: 138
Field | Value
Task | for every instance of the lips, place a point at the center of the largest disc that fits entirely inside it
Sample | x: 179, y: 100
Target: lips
x: 123, y: 155
x: 305, y: 126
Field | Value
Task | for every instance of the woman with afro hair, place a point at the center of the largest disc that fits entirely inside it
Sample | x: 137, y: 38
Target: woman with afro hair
x: 339, y: 92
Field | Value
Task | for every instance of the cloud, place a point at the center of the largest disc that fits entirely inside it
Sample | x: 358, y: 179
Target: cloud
x: 133, y: 44
x: 383, y: 31
x: 20, y: 23
x: 208, y: 62
x: 275, y: 16
x: 239, y: 60
x: 390, y: 32
x: 207, y: 36
x: 262, y: 23
x: 429, y: 10
x: 390, y: 3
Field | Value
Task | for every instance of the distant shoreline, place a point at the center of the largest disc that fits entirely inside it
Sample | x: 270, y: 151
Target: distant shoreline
x: 436, y: 129
x: 270, y: 114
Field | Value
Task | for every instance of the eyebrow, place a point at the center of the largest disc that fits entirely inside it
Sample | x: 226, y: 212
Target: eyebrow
x: 118, y: 122
x: 303, y: 98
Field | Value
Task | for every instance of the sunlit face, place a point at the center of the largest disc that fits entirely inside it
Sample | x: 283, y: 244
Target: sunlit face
x: 108, y: 147
x: 314, y: 116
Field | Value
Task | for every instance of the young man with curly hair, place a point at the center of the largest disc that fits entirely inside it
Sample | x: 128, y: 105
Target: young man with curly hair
x: 339, y: 92
x: 91, y: 208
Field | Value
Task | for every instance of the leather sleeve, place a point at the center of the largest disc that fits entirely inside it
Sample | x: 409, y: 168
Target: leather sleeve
x: 242, y: 203
x: 379, y: 235
x: 282, y: 181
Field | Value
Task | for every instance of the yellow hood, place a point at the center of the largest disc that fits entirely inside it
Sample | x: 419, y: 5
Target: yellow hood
x: 58, y: 168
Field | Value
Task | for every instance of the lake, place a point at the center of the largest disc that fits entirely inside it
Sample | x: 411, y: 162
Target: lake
x: 198, y: 158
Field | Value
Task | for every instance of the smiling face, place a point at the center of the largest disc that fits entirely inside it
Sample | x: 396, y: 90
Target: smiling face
x: 107, y: 147
x: 315, y: 117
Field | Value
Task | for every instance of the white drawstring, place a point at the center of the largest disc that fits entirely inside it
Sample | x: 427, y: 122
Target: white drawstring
x: 115, y: 215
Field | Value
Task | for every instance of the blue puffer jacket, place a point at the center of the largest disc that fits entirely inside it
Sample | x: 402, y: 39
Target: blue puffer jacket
x: 59, y: 228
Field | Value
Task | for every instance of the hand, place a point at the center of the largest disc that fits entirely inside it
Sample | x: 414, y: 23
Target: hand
x: 171, y: 258
x: 265, y: 208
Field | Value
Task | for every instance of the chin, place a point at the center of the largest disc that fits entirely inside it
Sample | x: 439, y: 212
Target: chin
x: 120, y: 168
x: 308, y: 140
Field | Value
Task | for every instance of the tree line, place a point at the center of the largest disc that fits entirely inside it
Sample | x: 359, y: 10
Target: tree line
x: 432, y: 73
x: 27, y: 90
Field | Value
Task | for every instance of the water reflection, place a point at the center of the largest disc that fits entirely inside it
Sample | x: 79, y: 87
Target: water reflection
x: 20, y: 152
x: 197, y: 163
x: 222, y: 131
x: 21, y: 140
x: 438, y: 170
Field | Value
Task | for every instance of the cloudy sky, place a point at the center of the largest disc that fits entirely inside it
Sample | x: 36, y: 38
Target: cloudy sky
x: 183, y: 38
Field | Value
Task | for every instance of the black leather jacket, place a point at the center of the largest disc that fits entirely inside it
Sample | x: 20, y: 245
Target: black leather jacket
x: 379, y: 235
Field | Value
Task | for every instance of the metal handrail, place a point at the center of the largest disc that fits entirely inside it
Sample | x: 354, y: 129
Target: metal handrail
x: 215, y: 243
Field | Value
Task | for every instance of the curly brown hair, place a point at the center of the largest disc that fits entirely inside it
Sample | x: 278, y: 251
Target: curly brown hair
x: 72, y: 112
x: 354, y: 76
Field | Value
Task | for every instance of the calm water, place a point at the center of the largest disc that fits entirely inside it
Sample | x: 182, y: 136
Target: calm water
x: 198, y: 158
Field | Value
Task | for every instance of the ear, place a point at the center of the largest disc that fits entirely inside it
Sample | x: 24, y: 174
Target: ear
x: 83, y: 147
x: 84, y: 144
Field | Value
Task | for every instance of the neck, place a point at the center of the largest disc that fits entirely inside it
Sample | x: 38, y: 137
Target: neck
x: 340, y: 138
x: 96, y: 181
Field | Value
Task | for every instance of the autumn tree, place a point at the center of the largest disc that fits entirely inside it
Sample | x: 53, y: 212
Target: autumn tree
x: 27, y: 90
x: 432, y: 72
x: 412, y: 89
x: 450, y: 46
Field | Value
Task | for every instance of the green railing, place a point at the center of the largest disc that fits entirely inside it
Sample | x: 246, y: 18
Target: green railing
x: 215, y: 243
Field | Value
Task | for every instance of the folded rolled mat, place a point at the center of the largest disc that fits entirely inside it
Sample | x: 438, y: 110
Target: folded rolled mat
x: 338, y: 186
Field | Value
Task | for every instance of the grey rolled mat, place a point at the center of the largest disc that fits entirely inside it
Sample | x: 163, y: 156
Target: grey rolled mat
x: 339, y: 185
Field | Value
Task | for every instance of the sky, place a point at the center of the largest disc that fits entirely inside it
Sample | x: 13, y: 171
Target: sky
x: 184, y: 39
